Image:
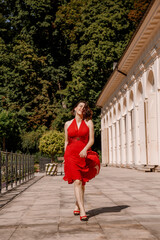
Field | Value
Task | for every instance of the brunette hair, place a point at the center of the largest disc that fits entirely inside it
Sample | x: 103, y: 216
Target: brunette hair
x: 87, y: 112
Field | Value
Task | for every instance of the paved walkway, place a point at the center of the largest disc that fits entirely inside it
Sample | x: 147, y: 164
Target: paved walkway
x: 122, y: 204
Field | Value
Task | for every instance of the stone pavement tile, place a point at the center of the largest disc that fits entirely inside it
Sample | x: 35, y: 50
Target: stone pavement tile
x: 41, y: 220
x: 44, y: 206
x: 142, y: 210
x: 51, y: 201
x: 36, y: 232
x: 6, y: 232
x: 76, y: 226
x: 11, y: 214
x: 82, y: 236
x: 41, y: 213
x: 121, y: 197
x: 8, y: 222
x: 133, y: 203
x: 104, y: 220
x: 16, y: 208
x: 153, y: 226
x: 66, y: 212
x: 18, y: 202
x: 148, y: 218
x: 67, y: 205
x: 127, y: 232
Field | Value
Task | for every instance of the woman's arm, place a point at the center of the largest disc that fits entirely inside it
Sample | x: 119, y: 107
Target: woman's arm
x: 83, y: 153
x: 66, y: 135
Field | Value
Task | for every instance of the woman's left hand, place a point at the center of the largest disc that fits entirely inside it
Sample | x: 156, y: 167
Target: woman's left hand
x: 83, y: 153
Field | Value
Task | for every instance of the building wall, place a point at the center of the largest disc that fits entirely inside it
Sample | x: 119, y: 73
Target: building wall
x: 130, y: 120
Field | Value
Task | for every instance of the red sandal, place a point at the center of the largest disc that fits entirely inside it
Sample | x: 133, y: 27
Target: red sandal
x: 84, y: 218
x: 76, y: 212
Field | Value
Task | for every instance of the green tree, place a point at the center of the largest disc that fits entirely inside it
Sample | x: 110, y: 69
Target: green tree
x: 96, y: 34
x: 8, y: 127
x: 32, y: 67
x: 139, y: 8
x: 30, y: 140
x: 52, y: 143
x: 56, y: 52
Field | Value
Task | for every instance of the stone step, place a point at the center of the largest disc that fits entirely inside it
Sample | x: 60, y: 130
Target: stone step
x: 146, y: 168
x: 157, y: 169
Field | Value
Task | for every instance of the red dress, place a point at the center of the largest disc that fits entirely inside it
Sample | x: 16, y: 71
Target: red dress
x: 76, y: 167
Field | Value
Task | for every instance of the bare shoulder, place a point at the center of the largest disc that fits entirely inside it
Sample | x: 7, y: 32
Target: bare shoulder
x: 89, y: 123
x: 68, y: 123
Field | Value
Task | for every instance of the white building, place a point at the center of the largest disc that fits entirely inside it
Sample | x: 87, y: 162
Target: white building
x: 130, y: 100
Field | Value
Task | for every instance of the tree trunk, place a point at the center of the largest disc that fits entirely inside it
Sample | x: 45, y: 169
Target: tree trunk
x: 52, y: 158
x: 4, y: 144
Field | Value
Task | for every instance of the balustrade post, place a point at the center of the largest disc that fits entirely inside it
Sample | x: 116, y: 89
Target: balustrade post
x: 16, y: 168
x: 6, y: 166
x: 25, y: 166
x: 11, y: 169
x: 20, y: 169
x: 0, y: 172
x: 28, y: 165
x: 32, y: 166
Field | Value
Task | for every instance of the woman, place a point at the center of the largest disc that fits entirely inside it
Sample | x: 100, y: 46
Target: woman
x: 81, y: 163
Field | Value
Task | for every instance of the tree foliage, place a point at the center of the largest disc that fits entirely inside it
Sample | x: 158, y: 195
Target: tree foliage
x: 30, y: 140
x: 9, y: 128
x: 139, y: 7
x: 56, y: 52
x: 96, y: 34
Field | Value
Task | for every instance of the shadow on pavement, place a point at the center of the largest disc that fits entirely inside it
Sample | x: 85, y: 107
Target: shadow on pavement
x: 98, y: 211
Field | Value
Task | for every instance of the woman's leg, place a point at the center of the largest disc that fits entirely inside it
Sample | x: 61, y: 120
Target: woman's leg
x: 76, y: 205
x: 79, y: 194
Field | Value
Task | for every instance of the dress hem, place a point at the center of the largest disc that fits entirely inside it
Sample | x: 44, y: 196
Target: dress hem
x: 72, y: 181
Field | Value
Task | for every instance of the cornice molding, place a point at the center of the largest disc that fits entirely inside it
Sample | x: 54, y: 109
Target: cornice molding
x: 141, y: 67
x: 153, y: 53
x: 146, y: 32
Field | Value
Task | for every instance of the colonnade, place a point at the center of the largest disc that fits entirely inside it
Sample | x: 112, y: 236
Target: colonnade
x: 130, y: 128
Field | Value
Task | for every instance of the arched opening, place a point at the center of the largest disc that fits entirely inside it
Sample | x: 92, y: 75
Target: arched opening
x: 119, y: 111
x: 114, y: 115
x: 110, y: 118
x: 130, y: 100
x: 124, y: 106
x: 139, y: 92
x: 107, y: 119
x: 150, y: 85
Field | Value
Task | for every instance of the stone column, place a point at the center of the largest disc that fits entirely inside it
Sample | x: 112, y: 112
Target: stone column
x: 105, y: 146
x: 136, y: 159
x: 110, y: 145
x: 128, y: 139
x: 123, y: 140
x: 157, y: 76
x: 113, y: 145
x: 118, y: 144
x: 102, y: 145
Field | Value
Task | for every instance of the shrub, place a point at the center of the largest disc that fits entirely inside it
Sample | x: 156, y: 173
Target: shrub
x: 52, y: 143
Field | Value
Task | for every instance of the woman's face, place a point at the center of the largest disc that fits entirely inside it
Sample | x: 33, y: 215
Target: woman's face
x: 79, y: 109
